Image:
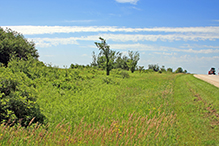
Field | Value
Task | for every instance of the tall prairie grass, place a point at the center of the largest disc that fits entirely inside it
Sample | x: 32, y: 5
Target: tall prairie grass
x: 137, y: 130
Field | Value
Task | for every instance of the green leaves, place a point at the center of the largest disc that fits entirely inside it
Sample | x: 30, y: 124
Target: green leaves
x: 133, y: 60
x: 13, y: 42
x: 18, y: 98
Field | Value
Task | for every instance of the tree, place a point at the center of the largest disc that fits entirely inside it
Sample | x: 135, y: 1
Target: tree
x: 169, y: 70
x: 108, y: 54
x: 179, y: 70
x: 140, y: 68
x: 94, y: 62
x: 154, y: 67
x: 12, y: 42
x: 163, y: 69
x: 101, y: 61
x: 121, y: 61
x: 133, y: 60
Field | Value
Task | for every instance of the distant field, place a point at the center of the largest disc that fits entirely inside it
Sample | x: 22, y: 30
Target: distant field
x: 85, y: 107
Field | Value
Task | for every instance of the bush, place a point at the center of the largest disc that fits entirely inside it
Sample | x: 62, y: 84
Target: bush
x: 18, y: 99
x: 107, y: 80
x: 179, y: 70
x: 12, y: 42
x: 124, y: 74
x: 169, y: 70
x: 149, y: 71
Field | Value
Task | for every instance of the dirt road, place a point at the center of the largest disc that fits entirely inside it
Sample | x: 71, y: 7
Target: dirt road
x: 212, y: 79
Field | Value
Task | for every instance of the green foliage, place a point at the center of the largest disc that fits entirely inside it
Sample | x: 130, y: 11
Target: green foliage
x: 74, y: 66
x: 169, y: 70
x: 107, y: 60
x: 94, y: 61
x: 12, y: 42
x: 179, y: 70
x: 141, y: 68
x: 149, y: 71
x: 162, y: 69
x: 18, y: 98
x: 133, y: 60
x: 154, y: 67
x: 124, y: 74
x: 121, y: 62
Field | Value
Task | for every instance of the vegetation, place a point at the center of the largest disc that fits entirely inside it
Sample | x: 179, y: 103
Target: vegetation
x: 12, y: 42
x: 84, y: 106
x: 109, y: 55
x: 132, y: 62
x: 154, y: 67
x: 108, y: 59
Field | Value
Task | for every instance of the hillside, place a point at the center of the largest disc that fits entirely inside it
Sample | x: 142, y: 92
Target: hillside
x: 84, y: 106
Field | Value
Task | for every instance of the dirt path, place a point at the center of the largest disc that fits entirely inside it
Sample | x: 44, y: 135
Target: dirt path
x: 212, y: 79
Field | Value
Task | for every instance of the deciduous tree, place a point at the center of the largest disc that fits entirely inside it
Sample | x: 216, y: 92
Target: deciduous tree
x: 133, y: 60
x: 12, y: 42
x: 108, y: 54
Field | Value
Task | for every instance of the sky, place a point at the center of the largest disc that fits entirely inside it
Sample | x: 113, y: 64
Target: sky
x: 170, y: 33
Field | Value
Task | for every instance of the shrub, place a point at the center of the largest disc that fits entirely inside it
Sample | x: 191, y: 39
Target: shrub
x: 124, y: 74
x: 169, y: 70
x: 149, y: 71
x: 179, y: 70
x: 18, y: 99
x: 107, y: 80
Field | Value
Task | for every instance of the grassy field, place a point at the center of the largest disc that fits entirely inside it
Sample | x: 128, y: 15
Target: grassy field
x: 85, y: 107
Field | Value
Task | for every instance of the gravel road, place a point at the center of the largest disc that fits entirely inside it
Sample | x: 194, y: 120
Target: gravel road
x: 212, y: 79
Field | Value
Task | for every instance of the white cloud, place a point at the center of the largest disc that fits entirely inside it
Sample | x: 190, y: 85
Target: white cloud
x: 127, y: 1
x: 48, y: 42
x: 143, y: 47
x: 198, y: 46
x: 168, y: 37
x: 165, y: 53
x: 33, y: 30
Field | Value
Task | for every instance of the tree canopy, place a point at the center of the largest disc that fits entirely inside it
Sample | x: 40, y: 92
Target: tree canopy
x: 12, y: 42
x: 133, y: 60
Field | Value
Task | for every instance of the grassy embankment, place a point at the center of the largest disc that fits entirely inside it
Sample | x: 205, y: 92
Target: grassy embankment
x: 85, y: 107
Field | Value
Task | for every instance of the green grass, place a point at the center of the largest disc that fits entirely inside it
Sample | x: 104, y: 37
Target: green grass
x: 144, y: 109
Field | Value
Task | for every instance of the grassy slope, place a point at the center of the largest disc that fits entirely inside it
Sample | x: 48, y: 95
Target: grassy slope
x: 142, y: 93
x: 194, y: 102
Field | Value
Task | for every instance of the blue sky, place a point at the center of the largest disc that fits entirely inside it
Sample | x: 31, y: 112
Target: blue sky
x: 172, y: 33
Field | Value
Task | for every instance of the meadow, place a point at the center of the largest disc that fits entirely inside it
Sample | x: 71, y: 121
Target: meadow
x: 85, y: 107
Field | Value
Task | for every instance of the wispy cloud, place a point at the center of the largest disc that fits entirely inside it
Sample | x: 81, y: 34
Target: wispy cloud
x: 127, y: 37
x: 143, y: 47
x: 198, y: 46
x: 49, y: 42
x: 216, y: 20
x: 128, y: 1
x: 33, y: 30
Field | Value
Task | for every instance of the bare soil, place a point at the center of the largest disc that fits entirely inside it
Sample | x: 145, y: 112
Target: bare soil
x: 212, y: 79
